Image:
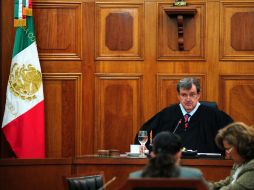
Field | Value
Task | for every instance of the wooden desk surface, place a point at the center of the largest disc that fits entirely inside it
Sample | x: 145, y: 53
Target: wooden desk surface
x: 49, y: 173
x: 212, y: 169
x: 93, y: 159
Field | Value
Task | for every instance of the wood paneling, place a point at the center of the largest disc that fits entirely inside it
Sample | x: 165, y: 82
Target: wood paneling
x: 119, y: 31
x: 50, y: 174
x: 236, y: 25
x: 237, y: 96
x: 109, y: 66
x: 119, y: 35
x: 242, y: 29
x: 58, y: 27
x: 118, y: 107
x: 121, y: 167
x: 194, y: 31
x: 34, y: 174
x: 63, y: 109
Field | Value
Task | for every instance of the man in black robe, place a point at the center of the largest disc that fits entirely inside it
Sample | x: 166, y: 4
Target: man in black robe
x: 195, y: 123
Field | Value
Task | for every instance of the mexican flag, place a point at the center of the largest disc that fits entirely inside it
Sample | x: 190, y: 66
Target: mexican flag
x: 23, y: 121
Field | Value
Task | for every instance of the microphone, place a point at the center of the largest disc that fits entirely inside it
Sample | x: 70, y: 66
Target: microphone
x: 179, y: 122
x: 107, y: 184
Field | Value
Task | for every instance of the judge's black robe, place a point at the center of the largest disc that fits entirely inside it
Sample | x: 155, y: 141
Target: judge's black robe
x: 203, y: 126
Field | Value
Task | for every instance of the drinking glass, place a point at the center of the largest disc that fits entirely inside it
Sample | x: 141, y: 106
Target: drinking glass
x: 142, y: 138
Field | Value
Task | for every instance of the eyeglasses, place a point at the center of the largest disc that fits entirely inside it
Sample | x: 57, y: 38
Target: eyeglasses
x: 229, y: 150
x: 191, y: 95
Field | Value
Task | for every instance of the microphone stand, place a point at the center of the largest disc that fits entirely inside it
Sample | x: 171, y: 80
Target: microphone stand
x: 107, y: 184
x: 179, y: 122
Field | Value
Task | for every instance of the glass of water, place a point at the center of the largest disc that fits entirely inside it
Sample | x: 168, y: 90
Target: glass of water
x: 142, y: 138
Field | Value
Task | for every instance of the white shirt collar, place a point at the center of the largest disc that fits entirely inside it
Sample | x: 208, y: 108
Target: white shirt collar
x: 192, y: 112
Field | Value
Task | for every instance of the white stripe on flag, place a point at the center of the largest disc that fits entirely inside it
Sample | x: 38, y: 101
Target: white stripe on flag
x: 20, y: 9
x: 16, y: 105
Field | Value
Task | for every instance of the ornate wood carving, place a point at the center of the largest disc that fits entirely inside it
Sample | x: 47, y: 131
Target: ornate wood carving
x: 180, y: 13
x: 181, y: 37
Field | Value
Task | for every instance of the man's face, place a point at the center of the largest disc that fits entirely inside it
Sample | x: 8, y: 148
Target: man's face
x: 189, y: 98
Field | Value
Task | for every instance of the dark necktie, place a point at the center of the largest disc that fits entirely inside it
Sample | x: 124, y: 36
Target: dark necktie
x: 186, y: 120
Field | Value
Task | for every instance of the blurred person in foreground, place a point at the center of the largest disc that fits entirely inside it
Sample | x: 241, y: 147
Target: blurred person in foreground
x: 237, y: 139
x: 165, y: 160
x: 196, y: 123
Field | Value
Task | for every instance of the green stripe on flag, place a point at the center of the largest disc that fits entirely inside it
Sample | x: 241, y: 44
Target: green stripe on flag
x: 16, y: 9
x: 24, y: 36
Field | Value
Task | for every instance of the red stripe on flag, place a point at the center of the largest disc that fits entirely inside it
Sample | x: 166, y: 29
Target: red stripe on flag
x: 26, y: 133
x: 30, y: 4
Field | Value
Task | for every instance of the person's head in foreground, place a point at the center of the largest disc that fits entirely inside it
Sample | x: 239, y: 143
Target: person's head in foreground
x: 166, y: 154
x: 237, y: 139
x: 188, y: 93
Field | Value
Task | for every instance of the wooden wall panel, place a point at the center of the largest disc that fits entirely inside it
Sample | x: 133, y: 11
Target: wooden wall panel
x: 236, y: 32
x: 194, y: 34
x: 50, y: 174
x: 237, y: 96
x: 59, y: 30
x: 118, y: 109
x: 166, y: 88
x: 100, y: 56
x: 119, y: 31
x: 30, y: 174
x: 242, y: 38
x: 63, y: 113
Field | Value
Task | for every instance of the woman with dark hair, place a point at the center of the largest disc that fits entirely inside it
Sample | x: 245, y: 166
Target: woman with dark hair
x: 237, y: 139
x: 165, y: 161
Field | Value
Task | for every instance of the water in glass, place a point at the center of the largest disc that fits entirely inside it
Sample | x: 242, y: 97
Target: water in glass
x: 142, y: 138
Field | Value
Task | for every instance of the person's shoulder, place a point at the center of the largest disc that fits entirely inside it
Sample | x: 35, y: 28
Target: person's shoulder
x: 214, y: 111
x: 251, y: 161
x: 136, y: 174
x: 171, y: 107
x: 208, y: 108
x: 187, y: 172
x: 250, y: 164
x: 208, y: 112
x: 165, y: 112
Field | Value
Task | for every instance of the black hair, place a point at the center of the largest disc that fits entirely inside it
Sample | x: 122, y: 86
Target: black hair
x: 165, y: 147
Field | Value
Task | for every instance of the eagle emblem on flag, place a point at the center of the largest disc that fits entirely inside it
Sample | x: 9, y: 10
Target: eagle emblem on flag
x: 25, y: 81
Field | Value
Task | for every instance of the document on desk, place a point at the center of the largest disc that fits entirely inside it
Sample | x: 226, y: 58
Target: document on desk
x: 209, y: 155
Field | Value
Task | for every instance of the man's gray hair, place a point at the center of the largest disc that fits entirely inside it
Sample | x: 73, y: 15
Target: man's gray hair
x: 186, y: 83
